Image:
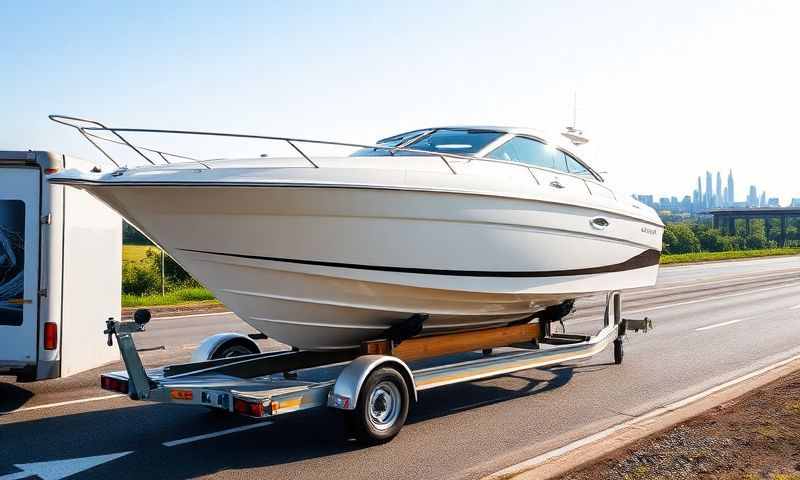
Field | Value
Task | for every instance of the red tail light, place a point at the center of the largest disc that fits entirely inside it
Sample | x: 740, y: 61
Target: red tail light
x: 113, y: 384
x: 252, y: 409
x: 50, y: 336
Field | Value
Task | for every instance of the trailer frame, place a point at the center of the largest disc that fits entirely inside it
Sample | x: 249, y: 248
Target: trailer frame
x: 265, y: 385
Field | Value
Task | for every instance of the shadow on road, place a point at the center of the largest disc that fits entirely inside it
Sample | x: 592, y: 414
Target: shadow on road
x: 13, y: 397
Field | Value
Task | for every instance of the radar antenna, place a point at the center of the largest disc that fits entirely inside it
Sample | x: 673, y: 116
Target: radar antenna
x: 572, y: 133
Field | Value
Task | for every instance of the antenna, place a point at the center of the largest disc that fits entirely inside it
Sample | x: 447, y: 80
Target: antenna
x: 572, y: 133
x: 574, y: 108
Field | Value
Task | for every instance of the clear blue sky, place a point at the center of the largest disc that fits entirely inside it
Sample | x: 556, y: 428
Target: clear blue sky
x: 666, y: 90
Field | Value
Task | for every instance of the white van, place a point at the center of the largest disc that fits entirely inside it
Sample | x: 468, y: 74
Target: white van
x: 60, y: 263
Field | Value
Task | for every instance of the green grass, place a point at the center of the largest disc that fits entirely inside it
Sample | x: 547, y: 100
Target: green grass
x: 713, y: 256
x: 175, y: 297
x: 135, y: 253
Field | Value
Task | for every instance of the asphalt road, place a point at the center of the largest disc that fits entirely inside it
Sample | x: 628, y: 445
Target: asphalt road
x: 714, y: 322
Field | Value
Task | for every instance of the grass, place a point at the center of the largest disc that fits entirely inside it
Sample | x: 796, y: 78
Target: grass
x: 179, y: 296
x: 712, y: 256
x: 135, y: 253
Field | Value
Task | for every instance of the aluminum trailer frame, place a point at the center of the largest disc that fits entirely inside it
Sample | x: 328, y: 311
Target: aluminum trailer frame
x: 236, y: 385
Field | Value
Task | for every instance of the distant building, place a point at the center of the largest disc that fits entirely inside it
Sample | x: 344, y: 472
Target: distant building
x: 646, y: 199
x: 774, y: 202
x: 752, y: 197
x: 718, y: 197
x: 762, y: 202
x: 729, y: 196
x: 686, y: 204
x: 709, y: 200
x: 795, y: 203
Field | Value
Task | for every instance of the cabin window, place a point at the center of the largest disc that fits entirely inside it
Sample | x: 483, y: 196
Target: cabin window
x: 577, y: 168
x: 531, y: 152
x: 456, y: 141
x: 441, y: 140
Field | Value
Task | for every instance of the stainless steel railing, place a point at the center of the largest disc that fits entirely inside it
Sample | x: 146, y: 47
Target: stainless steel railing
x: 87, y: 131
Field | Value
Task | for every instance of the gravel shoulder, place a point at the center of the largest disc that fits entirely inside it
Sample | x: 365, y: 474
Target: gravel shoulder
x: 756, y: 436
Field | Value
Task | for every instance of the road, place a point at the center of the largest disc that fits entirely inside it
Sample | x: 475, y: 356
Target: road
x: 714, y: 322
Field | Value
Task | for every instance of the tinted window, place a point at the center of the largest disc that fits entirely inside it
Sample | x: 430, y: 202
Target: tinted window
x: 463, y: 142
x: 532, y: 152
x: 443, y: 140
x: 574, y: 166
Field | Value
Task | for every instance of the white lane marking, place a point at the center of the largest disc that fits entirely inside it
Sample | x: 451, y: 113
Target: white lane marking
x: 189, y: 346
x: 726, y: 279
x: 558, y: 452
x: 193, y: 315
x: 183, y: 441
x: 58, y: 469
x: 731, y: 295
x: 580, y: 319
x: 795, y: 307
x: 709, y: 327
x: 61, y: 404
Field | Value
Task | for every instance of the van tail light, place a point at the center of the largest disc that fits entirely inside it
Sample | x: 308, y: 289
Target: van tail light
x: 50, y: 336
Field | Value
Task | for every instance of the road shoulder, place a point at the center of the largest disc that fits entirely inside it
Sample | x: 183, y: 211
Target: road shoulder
x: 599, y: 455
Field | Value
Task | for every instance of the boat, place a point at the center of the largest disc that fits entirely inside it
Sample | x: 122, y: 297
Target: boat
x: 428, y: 231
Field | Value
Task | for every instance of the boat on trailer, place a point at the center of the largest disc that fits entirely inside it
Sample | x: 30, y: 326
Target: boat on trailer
x: 430, y: 231
x: 434, y: 244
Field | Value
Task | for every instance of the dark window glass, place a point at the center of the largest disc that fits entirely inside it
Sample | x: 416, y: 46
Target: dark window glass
x: 532, y: 152
x: 444, y: 140
x: 462, y: 142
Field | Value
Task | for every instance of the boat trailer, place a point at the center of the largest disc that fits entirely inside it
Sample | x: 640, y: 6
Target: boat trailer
x: 372, y: 384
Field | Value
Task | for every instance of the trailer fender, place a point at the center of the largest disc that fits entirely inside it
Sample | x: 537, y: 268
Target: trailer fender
x: 344, y: 394
x: 210, y: 345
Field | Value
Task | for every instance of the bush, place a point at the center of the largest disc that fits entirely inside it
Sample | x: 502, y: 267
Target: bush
x: 174, y: 273
x: 682, y: 238
x: 139, y: 279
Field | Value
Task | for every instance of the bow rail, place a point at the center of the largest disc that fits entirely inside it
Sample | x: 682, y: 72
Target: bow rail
x: 91, y: 126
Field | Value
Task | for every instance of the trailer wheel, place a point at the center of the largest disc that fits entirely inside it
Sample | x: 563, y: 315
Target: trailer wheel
x: 382, y: 407
x: 619, y: 351
x: 234, y: 348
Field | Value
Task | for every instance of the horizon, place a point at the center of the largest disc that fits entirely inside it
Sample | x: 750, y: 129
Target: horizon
x: 658, y: 91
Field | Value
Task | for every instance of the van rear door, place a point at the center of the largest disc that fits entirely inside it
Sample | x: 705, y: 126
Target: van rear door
x: 19, y: 264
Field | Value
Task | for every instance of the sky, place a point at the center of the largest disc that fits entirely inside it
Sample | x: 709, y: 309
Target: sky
x: 665, y: 90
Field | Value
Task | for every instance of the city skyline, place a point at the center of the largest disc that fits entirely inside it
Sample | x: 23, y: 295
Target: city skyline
x: 714, y: 195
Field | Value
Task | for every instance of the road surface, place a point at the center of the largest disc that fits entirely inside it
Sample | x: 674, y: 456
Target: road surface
x: 714, y: 322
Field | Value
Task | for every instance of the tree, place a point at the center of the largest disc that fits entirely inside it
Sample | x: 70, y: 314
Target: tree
x: 712, y: 240
x: 668, y: 240
x: 682, y: 238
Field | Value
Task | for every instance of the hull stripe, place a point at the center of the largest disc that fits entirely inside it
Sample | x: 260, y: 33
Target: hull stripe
x: 647, y: 258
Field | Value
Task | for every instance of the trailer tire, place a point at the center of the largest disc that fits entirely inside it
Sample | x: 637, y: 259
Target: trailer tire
x: 235, y: 348
x: 382, y: 407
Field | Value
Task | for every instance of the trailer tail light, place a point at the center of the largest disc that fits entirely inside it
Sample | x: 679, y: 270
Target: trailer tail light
x: 181, y: 394
x: 50, y: 171
x: 113, y: 384
x: 50, y: 336
x: 251, y: 409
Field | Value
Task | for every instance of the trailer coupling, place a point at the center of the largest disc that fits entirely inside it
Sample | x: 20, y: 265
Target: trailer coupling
x: 138, y: 385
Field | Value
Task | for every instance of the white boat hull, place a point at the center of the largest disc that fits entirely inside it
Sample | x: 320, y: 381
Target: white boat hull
x: 325, y: 267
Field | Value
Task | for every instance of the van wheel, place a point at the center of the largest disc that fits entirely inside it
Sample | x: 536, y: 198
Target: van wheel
x: 382, y: 407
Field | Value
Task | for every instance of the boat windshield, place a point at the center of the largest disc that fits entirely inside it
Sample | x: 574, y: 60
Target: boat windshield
x: 441, y: 140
